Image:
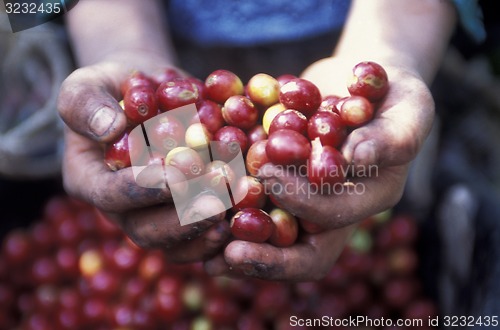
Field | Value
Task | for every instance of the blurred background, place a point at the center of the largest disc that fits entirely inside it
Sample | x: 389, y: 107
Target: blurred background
x: 435, y: 253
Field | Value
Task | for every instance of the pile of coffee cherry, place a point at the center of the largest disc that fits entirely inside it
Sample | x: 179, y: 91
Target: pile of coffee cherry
x: 283, y: 120
x: 73, y: 269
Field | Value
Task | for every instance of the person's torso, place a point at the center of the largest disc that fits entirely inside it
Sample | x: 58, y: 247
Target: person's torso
x: 250, y: 22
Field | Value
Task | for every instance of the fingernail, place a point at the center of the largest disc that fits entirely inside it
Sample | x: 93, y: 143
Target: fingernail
x: 365, y: 153
x: 102, y: 120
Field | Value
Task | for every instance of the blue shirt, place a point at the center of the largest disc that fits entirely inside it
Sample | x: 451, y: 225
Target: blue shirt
x: 471, y: 18
x: 250, y: 22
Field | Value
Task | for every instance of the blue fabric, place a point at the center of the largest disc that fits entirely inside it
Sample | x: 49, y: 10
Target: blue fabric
x: 250, y: 22
x: 471, y: 18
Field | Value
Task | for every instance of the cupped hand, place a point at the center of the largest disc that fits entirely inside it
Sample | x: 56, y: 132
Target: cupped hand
x: 379, y: 153
x: 309, y: 259
x: 88, y: 104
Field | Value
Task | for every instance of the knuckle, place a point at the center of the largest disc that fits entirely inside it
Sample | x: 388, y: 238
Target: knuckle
x: 69, y: 186
x: 112, y: 192
x: 407, y: 146
x: 216, y: 238
x: 144, y: 235
x: 194, y: 230
x: 99, y: 196
x: 71, y: 92
x: 96, y: 198
x: 80, y: 95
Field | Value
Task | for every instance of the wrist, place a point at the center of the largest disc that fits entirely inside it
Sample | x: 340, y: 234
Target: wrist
x: 139, y: 59
x: 331, y: 74
x: 390, y: 58
x: 412, y: 35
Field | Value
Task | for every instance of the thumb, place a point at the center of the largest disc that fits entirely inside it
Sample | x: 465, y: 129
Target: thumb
x: 88, y: 104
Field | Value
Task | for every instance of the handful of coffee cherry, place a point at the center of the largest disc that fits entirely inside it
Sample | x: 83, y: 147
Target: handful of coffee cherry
x: 281, y: 120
